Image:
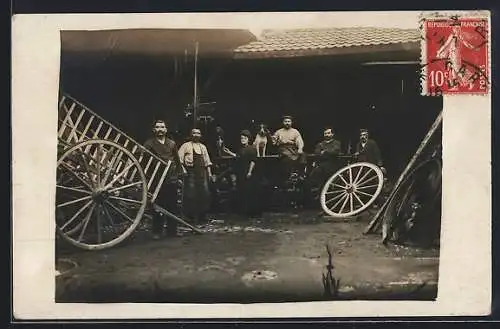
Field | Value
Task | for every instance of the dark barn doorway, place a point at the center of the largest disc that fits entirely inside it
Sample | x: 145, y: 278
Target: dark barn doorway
x: 319, y: 92
x: 130, y: 89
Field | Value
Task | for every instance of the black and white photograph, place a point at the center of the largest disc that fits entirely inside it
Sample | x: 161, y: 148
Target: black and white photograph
x: 221, y: 166
x: 246, y: 165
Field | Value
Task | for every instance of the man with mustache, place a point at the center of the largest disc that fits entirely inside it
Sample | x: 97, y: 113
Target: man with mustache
x: 326, y: 163
x: 290, y: 147
x: 166, y: 149
x: 367, y: 150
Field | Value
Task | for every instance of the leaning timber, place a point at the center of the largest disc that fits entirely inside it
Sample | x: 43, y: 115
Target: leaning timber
x: 377, y: 219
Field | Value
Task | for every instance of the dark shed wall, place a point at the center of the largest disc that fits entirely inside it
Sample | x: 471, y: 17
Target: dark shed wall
x: 320, y: 92
x: 131, y: 91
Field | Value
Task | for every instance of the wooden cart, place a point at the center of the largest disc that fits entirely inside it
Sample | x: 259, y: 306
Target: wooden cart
x: 106, y: 181
x: 345, y: 194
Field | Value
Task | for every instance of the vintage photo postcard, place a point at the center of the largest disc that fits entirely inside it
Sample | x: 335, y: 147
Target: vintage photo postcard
x: 251, y: 165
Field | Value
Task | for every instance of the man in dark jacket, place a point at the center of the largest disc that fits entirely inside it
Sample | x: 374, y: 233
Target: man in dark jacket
x: 367, y: 149
x: 326, y: 162
x: 166, y: 149
x: 326, y: 153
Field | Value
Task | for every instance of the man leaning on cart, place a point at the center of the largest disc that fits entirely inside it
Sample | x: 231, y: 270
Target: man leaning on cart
x: 166, y: 149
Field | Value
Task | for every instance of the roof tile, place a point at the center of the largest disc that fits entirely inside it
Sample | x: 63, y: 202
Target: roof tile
x: 303, y: 39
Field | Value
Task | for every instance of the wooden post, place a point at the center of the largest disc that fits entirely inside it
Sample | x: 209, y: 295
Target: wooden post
x: 410, y: 164
x: 195, y: 97
x: 174, y: 217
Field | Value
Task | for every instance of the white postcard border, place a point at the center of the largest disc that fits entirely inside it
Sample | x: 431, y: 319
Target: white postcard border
x: 465, y: 261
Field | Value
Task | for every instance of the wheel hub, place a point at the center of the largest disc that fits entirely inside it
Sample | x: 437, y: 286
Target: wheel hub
x: 100, y: 195
x: 350, y: 189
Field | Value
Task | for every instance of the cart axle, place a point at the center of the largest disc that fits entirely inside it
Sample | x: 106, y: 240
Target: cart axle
x: 100, y: 195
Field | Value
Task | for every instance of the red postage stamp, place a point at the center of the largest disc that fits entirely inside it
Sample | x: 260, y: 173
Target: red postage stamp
x: 455, y: 55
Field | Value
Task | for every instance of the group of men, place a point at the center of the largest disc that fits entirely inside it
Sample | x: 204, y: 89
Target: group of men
x: 326, y: 151
x: 192, y: 163
x: 291, y: 144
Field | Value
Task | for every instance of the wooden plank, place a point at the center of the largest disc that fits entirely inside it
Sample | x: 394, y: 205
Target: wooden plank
x: 73, y: 131
x: 153, y: 174
x: 147, y: 165
x: 96, y: 135
x: 121, y: 162
x: 86, y: 129
x: 160, y: 183
x: 98, y: 130
x: 174, y: 217
x: 132, y: 176
x: 128, y: 161
x: 111, y: 166
x: 65, y: 121
x: 61, y: 102
x: 108, y: 132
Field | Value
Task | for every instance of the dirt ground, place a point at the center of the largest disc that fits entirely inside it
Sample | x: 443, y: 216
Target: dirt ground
x: 279, y: 258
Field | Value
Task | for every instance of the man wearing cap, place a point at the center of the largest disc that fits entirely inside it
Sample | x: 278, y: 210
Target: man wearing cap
x: 290, y: 146
x: 367, y: 149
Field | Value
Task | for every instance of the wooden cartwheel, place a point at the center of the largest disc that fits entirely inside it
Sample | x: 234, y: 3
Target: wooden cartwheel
x: 98, y: 206
x: 106, y: 180
x: 415, y: 205
x: 352, y: 189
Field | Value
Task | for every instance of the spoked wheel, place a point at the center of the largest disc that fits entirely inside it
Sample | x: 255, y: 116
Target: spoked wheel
x: 101, y: 194
x: 415, y: 208
x: 352, y: 189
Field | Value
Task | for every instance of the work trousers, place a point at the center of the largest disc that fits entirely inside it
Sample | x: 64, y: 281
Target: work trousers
x: 167, y: 198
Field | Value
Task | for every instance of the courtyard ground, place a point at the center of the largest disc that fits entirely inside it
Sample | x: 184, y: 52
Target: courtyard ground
x: 279, y: 258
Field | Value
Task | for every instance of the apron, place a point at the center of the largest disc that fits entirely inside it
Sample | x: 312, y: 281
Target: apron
x: 196, y: 192
x: 289, y: 151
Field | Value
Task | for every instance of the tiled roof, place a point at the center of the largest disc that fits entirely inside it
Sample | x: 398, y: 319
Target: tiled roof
x: 324, y: 39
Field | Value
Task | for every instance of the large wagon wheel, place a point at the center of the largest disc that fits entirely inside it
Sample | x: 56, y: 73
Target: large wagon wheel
x: 413, y: 209
x: 101, y: 194
x: 351, y: 189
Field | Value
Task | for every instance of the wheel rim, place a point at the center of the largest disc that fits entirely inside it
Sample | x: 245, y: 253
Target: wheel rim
x: 420, y: 189
x: 352, y: 189
x: 97, y: 204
